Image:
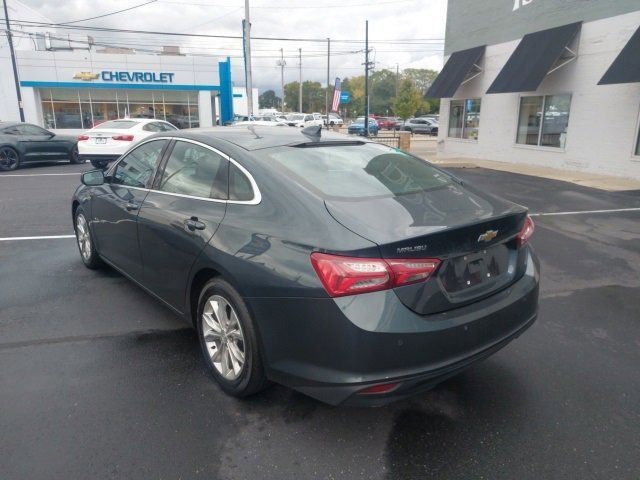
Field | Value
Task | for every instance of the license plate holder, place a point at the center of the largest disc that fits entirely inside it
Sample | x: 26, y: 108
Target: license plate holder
x: 101, y: 140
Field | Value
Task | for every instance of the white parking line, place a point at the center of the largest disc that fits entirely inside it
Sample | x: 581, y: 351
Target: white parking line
x: 584, y: 212
x: 43, y: 237
x: 8, y: 175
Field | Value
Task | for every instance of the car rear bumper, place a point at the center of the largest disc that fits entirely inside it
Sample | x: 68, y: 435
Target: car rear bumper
x: 331, y: 349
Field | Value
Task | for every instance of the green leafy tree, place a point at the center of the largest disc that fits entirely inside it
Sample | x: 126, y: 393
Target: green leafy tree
x: 409, y: 99
x: 422, y: 78
x: 382, y: 90
x: 312, y: 96
x: 269, y: 99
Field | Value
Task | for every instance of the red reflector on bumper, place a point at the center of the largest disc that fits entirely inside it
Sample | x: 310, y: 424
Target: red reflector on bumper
x: 379, y: 389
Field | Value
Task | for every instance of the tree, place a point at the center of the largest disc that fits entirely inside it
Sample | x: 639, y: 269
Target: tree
x: 269, y: 99
x: 382, y: 90
x: 422, y: 78
x: 312, y: 96
x: 409, y: 99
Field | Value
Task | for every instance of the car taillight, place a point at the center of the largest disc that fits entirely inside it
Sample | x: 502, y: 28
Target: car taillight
x: 526, y: 232
x: 82, y: 138
x: 351, y: 275
x: 379, y: 389
x: 123, y: 138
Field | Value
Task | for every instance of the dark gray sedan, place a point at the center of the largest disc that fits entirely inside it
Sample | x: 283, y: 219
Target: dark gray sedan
x: 23, y: 143
x: 342, y: 268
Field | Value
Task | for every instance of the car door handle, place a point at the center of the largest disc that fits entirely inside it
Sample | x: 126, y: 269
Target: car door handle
x: 194, y: 224
x: 131, y: 207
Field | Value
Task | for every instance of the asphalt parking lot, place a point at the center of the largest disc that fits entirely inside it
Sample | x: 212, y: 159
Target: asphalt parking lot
x: 98, y: 380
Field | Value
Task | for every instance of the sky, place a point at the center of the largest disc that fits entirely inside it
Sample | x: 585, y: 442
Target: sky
x: 418, y: 24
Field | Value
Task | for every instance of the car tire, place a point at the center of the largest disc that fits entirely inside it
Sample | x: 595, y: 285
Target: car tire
x: 408, y: 130
x: 101, y: 164
x: 229, y: 340
x: 74, y: 156
x: 84, y: 239
x: 9, y: 159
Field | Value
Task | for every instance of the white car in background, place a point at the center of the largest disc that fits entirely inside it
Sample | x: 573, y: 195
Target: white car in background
x: 333, y: 120
x: 302, y: 120
x: 106, y: 142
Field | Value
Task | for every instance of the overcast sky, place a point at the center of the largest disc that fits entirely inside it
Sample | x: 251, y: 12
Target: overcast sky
x: 416, y: 21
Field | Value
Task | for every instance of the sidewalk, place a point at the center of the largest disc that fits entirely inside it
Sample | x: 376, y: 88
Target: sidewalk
x: 587, y: 179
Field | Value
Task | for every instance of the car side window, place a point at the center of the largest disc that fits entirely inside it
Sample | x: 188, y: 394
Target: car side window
x: 31, y: 130
x: 11, y: 131
x: 151, y: 127
x: 239, y: 185
x: 196, y: 171
x: 167, y: 127
x: 308, y: 118
x: 136, y: 168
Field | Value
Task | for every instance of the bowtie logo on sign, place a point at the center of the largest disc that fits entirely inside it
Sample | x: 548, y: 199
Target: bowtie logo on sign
x: 520, y: 3
x: 85, y: 76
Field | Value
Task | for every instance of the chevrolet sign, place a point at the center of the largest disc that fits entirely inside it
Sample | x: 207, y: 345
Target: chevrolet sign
x: 86, y: 76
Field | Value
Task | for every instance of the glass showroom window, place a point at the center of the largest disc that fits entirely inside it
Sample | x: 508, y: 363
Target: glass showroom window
x: 543, y: 120
x: 464, y: 118
x: 85, y: 108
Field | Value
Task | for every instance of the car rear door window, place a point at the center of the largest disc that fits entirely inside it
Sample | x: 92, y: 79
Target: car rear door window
x: 32, y: 130
x: 196, y: 171
x: 137, y: 167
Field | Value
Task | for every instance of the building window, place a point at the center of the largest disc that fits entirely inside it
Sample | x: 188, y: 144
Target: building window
x: 543, y: 120
x: 85, y: 108
x: 464, y: 118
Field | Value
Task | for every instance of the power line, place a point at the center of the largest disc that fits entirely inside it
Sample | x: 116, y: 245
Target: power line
x: 29, y: 23
x: 109, y: 14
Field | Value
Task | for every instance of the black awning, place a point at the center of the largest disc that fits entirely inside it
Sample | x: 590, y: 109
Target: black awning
x: 533, y: 59
x: 626, y: 67
x: 457, y: 68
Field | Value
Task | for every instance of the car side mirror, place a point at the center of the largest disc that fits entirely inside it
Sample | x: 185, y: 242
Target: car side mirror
x: 92, y: 178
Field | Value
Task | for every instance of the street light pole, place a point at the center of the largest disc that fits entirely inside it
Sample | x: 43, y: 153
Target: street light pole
x: 282, y: 63
x: 247, y: 58
x: 366, y: 79
x: 326, y: 93
x: 13, y: 61
x: 300, y: 82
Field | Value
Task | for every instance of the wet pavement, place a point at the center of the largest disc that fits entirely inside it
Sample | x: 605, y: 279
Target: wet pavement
x: 98, y: 380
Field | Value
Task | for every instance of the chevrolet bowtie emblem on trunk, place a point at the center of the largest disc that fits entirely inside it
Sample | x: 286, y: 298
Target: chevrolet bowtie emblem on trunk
x: 86, y: 76
x: 488, y: 236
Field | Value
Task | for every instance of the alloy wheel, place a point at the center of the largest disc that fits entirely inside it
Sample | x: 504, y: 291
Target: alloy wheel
x: 82, y: 234
x: 8, y: 158
x: 223, y: 337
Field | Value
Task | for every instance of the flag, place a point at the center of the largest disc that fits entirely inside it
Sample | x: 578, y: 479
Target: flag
x: 336, y: 96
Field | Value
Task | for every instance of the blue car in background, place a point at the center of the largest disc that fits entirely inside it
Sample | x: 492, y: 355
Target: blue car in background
x: 357, y: 127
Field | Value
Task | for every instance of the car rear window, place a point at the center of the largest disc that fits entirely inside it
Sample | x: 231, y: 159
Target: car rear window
x: 356, y: 171
x: 119, y: 124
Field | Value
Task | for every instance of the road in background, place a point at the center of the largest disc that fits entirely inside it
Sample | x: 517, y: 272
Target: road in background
x: 99, y: 380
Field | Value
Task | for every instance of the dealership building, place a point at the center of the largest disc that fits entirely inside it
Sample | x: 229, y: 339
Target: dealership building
x: 554, y: 83
x: 68, y: 82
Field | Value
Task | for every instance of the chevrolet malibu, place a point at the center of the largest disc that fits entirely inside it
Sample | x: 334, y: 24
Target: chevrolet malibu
x: 342, y: 268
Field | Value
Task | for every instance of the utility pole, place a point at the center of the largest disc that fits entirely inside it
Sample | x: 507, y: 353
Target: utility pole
x: 247, y: 58
x: 326, y: 93
x: 397, y: 78
x: 282, y: 63
x: 300, y: 82
x: 13, y: 61
x: 366, y: 79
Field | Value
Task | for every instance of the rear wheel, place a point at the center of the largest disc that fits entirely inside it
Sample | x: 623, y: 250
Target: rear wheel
x: 74, y: 156
x: 9, y: 159
x: 101, y: 164
x: 229, y: 340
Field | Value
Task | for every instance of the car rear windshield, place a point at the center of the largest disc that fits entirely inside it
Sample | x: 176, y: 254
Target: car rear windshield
x: 356, y: 171
x: 119, y: 124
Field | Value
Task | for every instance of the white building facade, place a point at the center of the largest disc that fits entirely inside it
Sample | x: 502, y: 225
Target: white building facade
x: 569, y: 120
x: 68, y: 84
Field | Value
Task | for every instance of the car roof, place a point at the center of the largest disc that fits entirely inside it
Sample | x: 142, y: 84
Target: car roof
x: 256, y: 137
x: 8, y: 124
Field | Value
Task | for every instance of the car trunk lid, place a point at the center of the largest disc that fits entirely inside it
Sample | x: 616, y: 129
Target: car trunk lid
x: 471, y: 233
